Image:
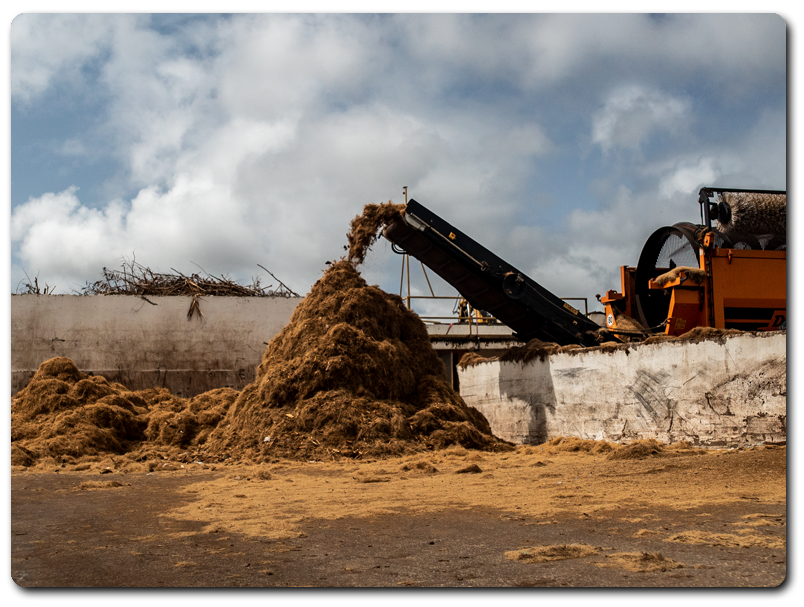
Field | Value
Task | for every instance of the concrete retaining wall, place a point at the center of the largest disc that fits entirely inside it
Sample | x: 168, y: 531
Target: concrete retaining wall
x: 145, y: 345
x: 731, y: 391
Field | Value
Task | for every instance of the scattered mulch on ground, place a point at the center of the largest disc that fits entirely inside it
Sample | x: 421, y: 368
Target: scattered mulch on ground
x: 729, y: 540
x: 648, y: 532
x: 763, y: 520
x: 638, y: 449
x: 572, y: 443
x: 640, y: 562
x: 423, y: 467
x: 470, y: 469
x: 361, y: 477
x: 544, y: 554
x: 91, y: 485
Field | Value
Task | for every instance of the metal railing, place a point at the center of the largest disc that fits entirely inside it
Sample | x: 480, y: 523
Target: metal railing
x: 456, y: 298
x: 583, y: 299
x: 463, y: 320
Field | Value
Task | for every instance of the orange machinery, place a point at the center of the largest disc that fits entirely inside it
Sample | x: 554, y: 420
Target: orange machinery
x: 730, y: 275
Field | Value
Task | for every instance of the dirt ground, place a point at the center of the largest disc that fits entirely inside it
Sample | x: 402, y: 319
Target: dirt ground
x: 536, y: 516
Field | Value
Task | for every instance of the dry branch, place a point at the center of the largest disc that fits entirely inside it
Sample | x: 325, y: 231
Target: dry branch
x: 136, y: 279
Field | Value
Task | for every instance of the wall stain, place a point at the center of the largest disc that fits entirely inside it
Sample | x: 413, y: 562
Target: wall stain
x: 650, y: 392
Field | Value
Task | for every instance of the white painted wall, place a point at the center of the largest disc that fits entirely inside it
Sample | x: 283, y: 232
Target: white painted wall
x: 731, y: 391
x: 141, y: 345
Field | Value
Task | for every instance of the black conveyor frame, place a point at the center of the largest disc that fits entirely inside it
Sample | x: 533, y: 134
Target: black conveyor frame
x: 487, y: 282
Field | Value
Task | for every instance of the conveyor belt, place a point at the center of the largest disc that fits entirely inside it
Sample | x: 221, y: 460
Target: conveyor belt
x: 488, y: 282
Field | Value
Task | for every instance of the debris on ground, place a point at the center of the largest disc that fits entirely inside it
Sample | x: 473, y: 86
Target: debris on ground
x: 546, y: 554
x: 470, y: 469
x: 640, y: 562
x: 729, y: 540
x: 573, y: 443
x: 638, y: 449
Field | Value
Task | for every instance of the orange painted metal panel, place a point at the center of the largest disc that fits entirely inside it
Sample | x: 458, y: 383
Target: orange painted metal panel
x: 747, y: 279
x: 685, y: 311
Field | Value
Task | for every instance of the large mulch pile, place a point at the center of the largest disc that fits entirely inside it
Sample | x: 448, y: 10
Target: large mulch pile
x: 353, y: 374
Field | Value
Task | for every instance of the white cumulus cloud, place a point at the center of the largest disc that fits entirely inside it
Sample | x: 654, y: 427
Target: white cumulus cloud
x: 632, y: 114
x: 44, y: 47
x: 58, y: 236
x: 249, y: 139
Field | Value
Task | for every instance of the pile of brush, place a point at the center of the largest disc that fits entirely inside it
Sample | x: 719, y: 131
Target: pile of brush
x: 139, y: 280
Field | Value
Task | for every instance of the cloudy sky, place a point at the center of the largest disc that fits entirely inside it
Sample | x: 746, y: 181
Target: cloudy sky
x: 560, y: 142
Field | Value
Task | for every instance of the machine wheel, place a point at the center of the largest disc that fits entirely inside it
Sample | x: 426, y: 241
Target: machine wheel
x: 667, y: 248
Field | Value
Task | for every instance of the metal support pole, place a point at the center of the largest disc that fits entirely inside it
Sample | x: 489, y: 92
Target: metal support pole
x: 407, y: 260
x: 428, y: 280
x: 402, y: 276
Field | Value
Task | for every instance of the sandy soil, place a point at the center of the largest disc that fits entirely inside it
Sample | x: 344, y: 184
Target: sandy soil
x: 536, y: 516
x: 531, y: 482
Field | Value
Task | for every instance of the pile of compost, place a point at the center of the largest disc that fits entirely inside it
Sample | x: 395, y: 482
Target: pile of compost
x: 63, y: 413
x: 352, y: 374
x: 66, y: 416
